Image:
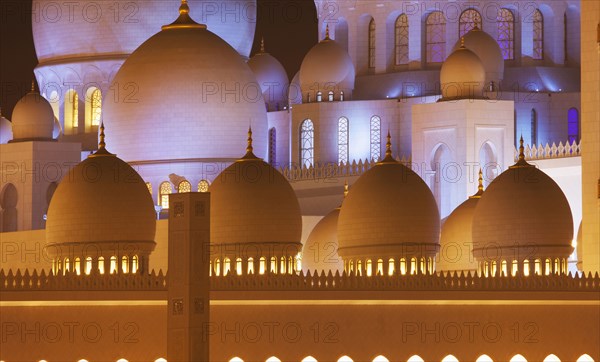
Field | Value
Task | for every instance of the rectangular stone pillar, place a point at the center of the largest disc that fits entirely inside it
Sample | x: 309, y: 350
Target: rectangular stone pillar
x: 188, y: 279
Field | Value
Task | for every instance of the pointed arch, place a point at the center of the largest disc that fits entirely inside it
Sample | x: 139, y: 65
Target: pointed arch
x: 538, y: 35
x: 372, y: 44
x: 484, y: 358
x: 518, y: 358
x: 343, y: 140
x: 469, y: 19
x: 184, y: 186
x: 8, y: 206
x: 435, y: 28
x: 551, y: 358
x: 307, y: 140
x: 450, y: 358
x: 401, y: 40
x: 164, y: 191
x: 585, y: 358
x: 415, y: 358
x: 71, y: 111
x: 506, y: 33
x: 380, y: 359
x: 345, y: 359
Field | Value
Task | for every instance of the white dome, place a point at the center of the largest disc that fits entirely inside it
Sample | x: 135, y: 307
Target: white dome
x: 320, y: 251
x: 253, y: 204
x: 123, y: 25
x: 5, y: 130
x: 189, y: 91
x: 389, y: 212
x: 33, y: 118
x: 102, y: 202
x: 523, y: 214
x: 327, y: 67
x: 272, y: 78
x: 488, y: 50
x: 462, y: 76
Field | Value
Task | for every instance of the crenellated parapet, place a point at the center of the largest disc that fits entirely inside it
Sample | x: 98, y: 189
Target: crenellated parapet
x: 540, y: 152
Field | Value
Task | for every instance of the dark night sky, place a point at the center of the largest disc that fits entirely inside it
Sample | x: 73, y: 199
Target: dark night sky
x: 289, y: 28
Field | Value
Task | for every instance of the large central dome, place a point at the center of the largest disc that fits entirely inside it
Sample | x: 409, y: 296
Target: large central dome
x: 188, y: 90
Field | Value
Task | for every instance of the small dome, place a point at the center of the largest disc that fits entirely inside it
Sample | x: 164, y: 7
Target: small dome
x: 252, y: 203
x: 192, y: 90
x: 33, y: 118
x: 522, y: 215
x: 271, y: 77
x: 320, y: 251
x: 389, y: 212
x: 102, y: 202
x: 488, y: 50
x: 456, y: 241
x: 462, y: 76
x: 327, y: 67
x: 6, y: 133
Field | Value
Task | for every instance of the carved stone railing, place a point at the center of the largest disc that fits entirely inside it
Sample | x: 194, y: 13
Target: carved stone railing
x: 34, y: 281
x: 330, y: 170
x: 302, y: 282
x: 436, y: 282
x: 540, y: 152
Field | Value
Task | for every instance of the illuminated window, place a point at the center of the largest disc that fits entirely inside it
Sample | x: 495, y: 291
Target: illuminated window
x: 250, y: 265
x: 450, y: 358
x: 238, y: 266
x: 217, y: 267
x: 573, y: 125
x: 307, y: 138
x: 101, y: 265
x: 391, y: 267
x: 273, y: 268
x: 469, y: 19
x: 272, y: 146
x: 203, y: 186
x: 369, y: 267
x: 282, y: 265
x: 551, y: 358
x: 273, y: 359
x: 506, y: 33
x: 436, y: 37
x: 226, y: 266
x: 262, y: 265
x: 77, y: 266
x: 88, y: 265
x: 309, y: 359
x: 415, y: 358
x: 95, y: 109
x: 236, y: 359
x: 67, y: 265
x: 585, y: 358
x: 163, y: 197
x: 380, y: 359
x: 345, y: 359
x: 413, y: 265
x: 113, y: 264
x: 422, y: 265
x: 149, y: 187
x: 401, y: 40
x: 379, y: 267
x: 534, y: 128
x: 515, y: 268
x: 134, y: 264
x: 184, y: 186
x: 548, y: 267
x: 330, y: 96
x: 375, y: 138
x: 518, y: 358
x: 372, y: 43
x: 319, y: 96
x: 538, y: 267
x: 538, y: 35
x: 71, y: 109
x: 343, y: 139
x: 484, y: 358
x: 125, y: 264
x: 403, y: 266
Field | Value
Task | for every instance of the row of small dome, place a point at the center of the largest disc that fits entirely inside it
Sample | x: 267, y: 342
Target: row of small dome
x: 390, y: 213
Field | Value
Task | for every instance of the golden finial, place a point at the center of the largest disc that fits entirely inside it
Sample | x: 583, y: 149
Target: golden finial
x: 33, y: 86
x: 476, y: 27
x: 479, y: 187
x: 101, y: 144
x: 184, y: 20
x: 327, y: 32
x: 345, y: 188
x: 462, y: 42
x: 388, y: 150
x: 521, y: 161
x: 262, y: 45
x: 249, y: 149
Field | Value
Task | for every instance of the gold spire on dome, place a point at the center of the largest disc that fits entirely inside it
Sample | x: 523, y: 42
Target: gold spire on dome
x: 262, y: 46
x: 521, y: 161
x: 327, y: 38
x: 345, y: 188
x: 101, y: 144
x: 462, y: 42
x: 480, y: 187
x: 249, y: 149
x: 33, y: 86
x: 184, y: 21
x: 388, y: 150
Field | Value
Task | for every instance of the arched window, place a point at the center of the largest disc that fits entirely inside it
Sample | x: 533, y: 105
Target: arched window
x: 450, y: 358
x: 88, y: 265
x: 345, y: 359
x: 585, y: 358
x: 506, y: 33
x: 573, y: 125
x: 184, y: 186
x: 54, y: 101
x: 272, y: 146
x: 538, y: 35
x: 125, y: 264
x: 8, y: 201
x: 401, y: 42
x: 250, y: 265
x: 551, y: 358
x: 330, y: 96
x: 226, y: 266
x: 436, y: 37
x: 71, y: 109
x: 93, y: 106
x: 518, y: 358
x: 113, y: 264
x: 469, y: 19
x: 134, y: 264
x: 238, y: 266
x: 236, y: 359
x: 415, y: 358
x: 101, y: 265
x: 163, y: 197
x: 273, y: 268
x: 372, y: 43
x: 368, y: 267
x: 375, y: 138
x: 484, y: 358
x: 343, y: 139
x: 262, y: 265
x: 307, y: 138
x: 203, y: 186
x: 380, y: 359
x: 309, y: 359
x: 534, y: 127
x: 77, y: 266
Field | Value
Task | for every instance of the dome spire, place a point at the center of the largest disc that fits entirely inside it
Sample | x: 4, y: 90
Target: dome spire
x: 462, y: 42
x: 33, y: 85
x: 101, y: 144
x: 327, y: 38
x: 479, y: 187
x: 521, y: 161
x: 262, y: 46
x: 388, y: 150
x: 249, y: 148
x: 345, y: 188
x: 184, y: 21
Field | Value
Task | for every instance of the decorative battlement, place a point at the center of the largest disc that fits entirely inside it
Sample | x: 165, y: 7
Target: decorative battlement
x: 35, y: 281
x: 540, y: 152
x: 329, y: 170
